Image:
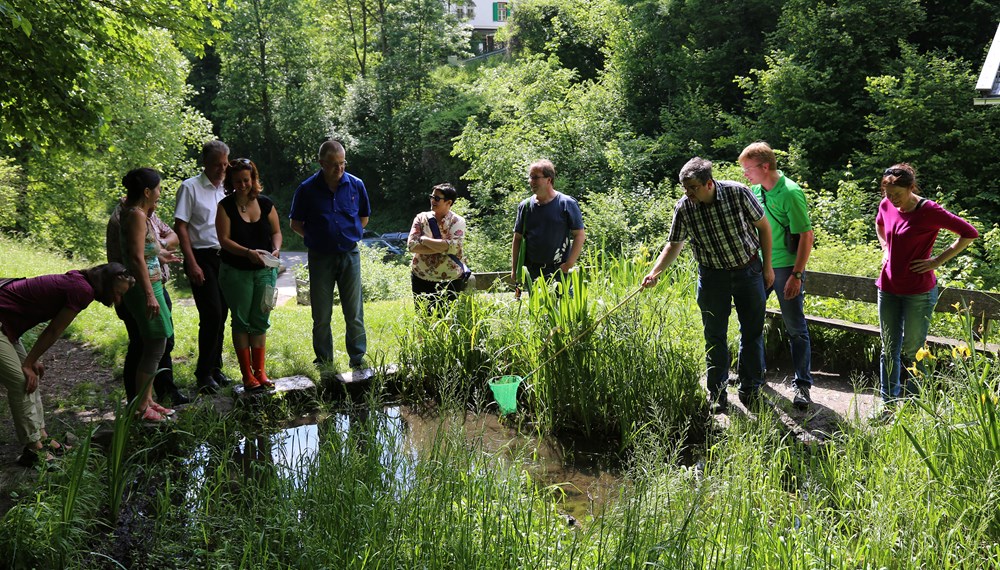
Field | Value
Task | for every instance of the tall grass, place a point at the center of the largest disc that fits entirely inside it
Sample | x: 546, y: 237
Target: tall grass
x: 586, y: 369
x: 373, y: 498
x: 922, y: 492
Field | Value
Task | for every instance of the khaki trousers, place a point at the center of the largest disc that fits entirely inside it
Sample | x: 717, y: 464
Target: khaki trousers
x: 25, y: 409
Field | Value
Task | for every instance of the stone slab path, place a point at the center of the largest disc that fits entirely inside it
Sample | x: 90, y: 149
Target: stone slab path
x: 838, y: 403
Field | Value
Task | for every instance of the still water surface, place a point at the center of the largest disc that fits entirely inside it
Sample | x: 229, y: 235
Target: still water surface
x: 586, y: 479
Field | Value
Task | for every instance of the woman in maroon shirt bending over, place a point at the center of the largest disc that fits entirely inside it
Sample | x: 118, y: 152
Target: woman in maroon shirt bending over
x: 907, y: 227
x: 25, y: 303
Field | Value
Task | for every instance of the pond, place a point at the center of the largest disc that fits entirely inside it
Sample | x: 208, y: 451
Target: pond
x: 586, y: 477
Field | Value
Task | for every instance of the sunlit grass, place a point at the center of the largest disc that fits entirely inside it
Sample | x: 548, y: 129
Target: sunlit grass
x: 920, y: 492
x: 289, y: 340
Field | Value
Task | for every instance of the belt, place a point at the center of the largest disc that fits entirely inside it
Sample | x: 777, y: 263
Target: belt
x: 737, y: 268
x: 745, y: 265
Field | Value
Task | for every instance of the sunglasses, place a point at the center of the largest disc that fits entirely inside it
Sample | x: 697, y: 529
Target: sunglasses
x: 436, y: 198
x: 895, y: 172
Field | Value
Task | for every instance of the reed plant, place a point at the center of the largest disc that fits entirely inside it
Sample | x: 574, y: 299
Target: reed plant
x: 58, y: 520
x: 587, y: 368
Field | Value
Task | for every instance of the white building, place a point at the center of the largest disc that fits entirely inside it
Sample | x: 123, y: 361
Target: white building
x: 485, y: 17
x: 988, y: 85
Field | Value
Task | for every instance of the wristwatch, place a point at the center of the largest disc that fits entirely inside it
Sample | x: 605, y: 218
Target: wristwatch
x: 797, y: 275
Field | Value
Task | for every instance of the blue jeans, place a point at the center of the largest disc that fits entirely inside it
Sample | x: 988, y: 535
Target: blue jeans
x: 718, y: 290
x: 794, y: 317
x: 904, y: 320
x: 344, y: 270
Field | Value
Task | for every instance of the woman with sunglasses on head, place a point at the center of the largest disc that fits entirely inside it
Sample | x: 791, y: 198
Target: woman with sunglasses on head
x: 437, y: 270
x: 907, y: 226
x: 146, y: 303
x: 247, y: 224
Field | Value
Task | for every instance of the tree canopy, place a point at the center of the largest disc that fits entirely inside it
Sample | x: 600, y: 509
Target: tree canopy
x: 618, y: 93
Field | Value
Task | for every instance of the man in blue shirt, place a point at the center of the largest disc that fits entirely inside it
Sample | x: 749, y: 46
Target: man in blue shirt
x: 330, y: 210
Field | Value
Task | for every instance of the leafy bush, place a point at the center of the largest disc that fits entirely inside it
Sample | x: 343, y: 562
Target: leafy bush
x: 380, y: 280
x: 620, y: 221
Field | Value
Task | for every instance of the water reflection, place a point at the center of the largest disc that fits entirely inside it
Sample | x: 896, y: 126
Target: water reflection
x: 584, y: 480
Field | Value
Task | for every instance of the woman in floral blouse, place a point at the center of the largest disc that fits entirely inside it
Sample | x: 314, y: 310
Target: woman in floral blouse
x: 438, y: 271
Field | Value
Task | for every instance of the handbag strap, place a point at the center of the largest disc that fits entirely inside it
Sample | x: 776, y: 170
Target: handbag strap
x: 436, y: 232
x: 763, y: 198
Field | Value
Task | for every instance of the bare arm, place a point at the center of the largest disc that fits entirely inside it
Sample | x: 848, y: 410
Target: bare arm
x: 764, y: 235
x: 364, y: 221
x: 882, y: 241
x: 191, y: 267
x: 135, y: 232
x: 925, y: 265
x: 793, y: 286
x: 31, y: 367
x: 667, y: 257
x: 276, y: 238
x: 579, y: 236
x: 168, y: 241
x: 515, y: 250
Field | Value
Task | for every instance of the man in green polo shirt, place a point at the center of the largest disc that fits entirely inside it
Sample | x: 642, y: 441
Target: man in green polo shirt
x: 792, y: 240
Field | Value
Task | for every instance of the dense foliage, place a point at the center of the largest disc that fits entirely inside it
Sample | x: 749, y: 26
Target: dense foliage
x: 618, y: 93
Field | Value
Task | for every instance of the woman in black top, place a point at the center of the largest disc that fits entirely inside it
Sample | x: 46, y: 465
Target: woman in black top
x: 247, y: 224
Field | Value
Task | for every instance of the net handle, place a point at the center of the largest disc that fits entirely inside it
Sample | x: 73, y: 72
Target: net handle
x: 586, y: 331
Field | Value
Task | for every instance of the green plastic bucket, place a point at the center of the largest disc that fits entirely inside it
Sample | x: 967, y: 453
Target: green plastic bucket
x: 505, y: 393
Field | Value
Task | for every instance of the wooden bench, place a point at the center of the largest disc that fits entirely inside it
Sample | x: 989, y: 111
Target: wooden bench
x: 984, y: 306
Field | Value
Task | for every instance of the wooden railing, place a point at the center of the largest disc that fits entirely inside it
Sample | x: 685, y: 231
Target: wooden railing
x: 983, y: 306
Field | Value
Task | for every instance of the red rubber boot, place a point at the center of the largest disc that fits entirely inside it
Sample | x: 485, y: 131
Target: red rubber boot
x: 258, y: 367
x: 246, y: 368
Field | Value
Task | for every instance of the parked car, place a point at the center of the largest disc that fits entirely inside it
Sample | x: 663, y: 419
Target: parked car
x: 373, y: 239
x: 397, y: 239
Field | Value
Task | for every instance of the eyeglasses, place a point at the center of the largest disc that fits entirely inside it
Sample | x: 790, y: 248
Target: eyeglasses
x: 895, y: 172
x: 749, y: 168
x: 436, y: 198
x: 341, y: 164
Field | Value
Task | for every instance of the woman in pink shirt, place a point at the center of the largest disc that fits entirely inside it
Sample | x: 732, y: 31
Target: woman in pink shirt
x: 907, y: 227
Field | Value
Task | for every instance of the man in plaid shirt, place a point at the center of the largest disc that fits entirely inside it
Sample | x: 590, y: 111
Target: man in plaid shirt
x: 726, y: 226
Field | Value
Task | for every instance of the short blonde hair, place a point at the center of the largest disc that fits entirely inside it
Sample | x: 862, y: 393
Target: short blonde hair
x: 761, y: 153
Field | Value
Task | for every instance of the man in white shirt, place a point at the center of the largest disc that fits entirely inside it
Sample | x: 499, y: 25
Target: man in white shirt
x: 194, y: 222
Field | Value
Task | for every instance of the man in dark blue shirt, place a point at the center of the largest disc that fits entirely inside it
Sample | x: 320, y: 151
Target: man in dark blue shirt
x: 330, y: 210
x: 549, y: 225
